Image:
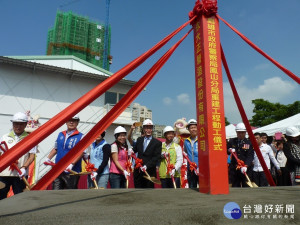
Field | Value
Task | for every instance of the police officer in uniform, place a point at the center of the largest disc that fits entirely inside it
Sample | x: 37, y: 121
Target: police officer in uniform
x: 244, y: 151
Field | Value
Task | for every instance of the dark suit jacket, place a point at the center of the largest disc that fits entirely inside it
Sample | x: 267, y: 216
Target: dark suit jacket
x: 151, y: 156
x: 243, y: 153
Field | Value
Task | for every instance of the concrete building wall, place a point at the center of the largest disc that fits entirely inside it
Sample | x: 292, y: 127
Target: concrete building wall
x: 46, y: 93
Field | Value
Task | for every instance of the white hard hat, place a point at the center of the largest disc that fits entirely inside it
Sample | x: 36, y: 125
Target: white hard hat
x: 292, y: 132
x: 147, y: 122
x: 76, y: 117
x: 240, y: 127
x: 191, y: 122
x: 120, y: 129
x: 20, y: 117
x: 167, y: 129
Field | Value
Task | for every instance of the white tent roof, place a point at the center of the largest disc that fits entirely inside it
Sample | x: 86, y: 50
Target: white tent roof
x: 280, y: 126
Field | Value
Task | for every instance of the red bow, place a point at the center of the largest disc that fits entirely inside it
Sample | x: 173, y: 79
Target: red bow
x: 170, y: 167
x: 240, y: 163
x: 193, y: 167
x: 90, y: 167
x: 128, y: 166
x: 205, y: 7
x: 138, y: 161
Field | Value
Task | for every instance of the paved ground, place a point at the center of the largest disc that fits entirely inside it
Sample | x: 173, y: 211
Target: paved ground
x: 137, y: 206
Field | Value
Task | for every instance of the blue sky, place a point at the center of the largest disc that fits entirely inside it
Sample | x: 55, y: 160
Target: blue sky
x: 137, y: 25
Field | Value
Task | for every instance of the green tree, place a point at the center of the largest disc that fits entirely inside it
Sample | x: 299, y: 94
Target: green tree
x: 267, y: 112
x: 226, y: 121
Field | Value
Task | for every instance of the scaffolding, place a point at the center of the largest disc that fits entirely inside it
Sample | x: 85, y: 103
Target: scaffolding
x: 77, y: 35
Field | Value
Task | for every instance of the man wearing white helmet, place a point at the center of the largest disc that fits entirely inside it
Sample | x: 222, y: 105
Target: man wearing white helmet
x: 149, y: 150
x: 11, y: 178
x: 291, y: 148
x: 172, y: 152
x: 65, y: 142
x: 244, y: 151
x: 191, y: 148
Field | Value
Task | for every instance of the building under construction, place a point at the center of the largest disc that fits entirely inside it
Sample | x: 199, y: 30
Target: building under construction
x: 77, y: 35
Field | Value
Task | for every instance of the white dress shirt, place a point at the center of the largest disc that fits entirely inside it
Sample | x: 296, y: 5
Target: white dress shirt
x: 267, y: 154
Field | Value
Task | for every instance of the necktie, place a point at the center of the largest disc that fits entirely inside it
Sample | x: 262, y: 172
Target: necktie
x: 145, y: 143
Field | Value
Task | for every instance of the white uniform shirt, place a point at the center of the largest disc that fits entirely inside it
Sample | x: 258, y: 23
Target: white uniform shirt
x: 11, y: 139
x: 267, y: 154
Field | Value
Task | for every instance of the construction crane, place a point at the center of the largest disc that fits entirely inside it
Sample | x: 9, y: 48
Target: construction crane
x: 106, y: 37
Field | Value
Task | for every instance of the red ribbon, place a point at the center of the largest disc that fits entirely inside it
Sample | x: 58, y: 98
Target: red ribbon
x: 246, y: 121
x: 138, y: 161
x: 128, y: 164
x: 207, y: 8
x: 170, y: 167
x: 193, y: 165
x: 106, y: 121
x: 90, y: 167
x: 240, y: 163
x: 53, y: 124
x: 289, y: 73
x: 14, y: 165
x: 49, y: 163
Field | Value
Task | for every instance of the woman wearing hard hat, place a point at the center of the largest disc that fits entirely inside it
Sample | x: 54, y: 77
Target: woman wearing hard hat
x: 117, y: 171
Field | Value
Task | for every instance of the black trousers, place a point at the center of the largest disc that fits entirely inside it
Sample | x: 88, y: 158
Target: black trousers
x: 16, y: 183
x: 284, y: 179
x: 237, y: 178
x: 168, y: 183
x: 140, y: 181
x: 260, y: 179
x: 193, y: 179
x: 65, y: 181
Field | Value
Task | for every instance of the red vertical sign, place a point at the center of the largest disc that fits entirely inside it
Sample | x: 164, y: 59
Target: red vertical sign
x: 213, y: 170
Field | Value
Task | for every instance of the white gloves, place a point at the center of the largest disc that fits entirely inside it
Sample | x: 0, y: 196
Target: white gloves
x: 126, y: 174
x: 143, y: 168
x: 197, y: 172
x: 130, y: 151
x: 67, y: 170
x: 172, y: 173
x: 93, y: 175
x: 23, y: 172
x: 231, y: 150
x: 243, y: 170
x: 164, y: 154
x: 47, y: 160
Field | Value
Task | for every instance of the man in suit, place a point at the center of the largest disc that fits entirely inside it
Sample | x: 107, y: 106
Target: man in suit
x: 149, y: 150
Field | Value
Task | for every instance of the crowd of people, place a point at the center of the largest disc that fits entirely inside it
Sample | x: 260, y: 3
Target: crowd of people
x: 280, y: 154
x: 115, y: 163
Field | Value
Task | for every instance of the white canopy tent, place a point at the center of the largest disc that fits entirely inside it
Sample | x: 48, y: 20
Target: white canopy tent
x: 280, y: 126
